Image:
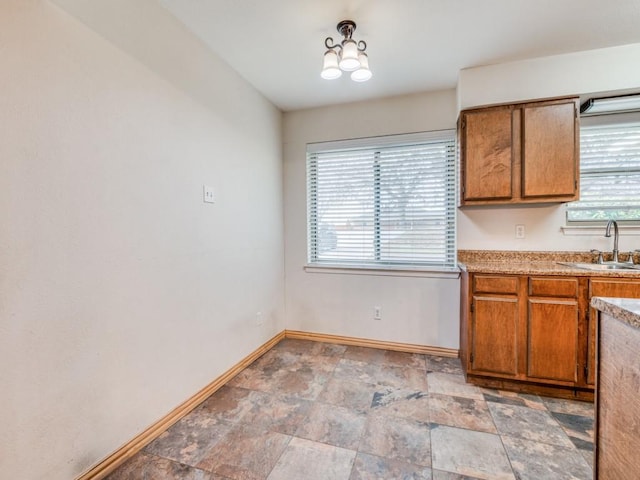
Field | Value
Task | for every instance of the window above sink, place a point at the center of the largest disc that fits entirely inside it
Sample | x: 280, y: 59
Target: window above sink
x: 609, y: 171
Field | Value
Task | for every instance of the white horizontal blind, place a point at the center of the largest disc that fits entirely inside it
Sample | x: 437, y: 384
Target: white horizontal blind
x: 389, y: 203
x: 609, y: 174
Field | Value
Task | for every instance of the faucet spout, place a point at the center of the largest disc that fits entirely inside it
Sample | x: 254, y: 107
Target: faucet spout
x: 615, y: 238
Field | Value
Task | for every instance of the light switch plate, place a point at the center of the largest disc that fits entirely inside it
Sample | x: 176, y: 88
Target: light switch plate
x: 208, y: 196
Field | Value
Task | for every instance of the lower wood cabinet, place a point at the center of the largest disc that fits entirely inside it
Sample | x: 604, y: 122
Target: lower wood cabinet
x: 553, y: 318
x: 494, y: 324
x: 495, y: 335
x: 533, y: 333
x: 603, y: 287
x: 618, y: 402
x: 552, y: 340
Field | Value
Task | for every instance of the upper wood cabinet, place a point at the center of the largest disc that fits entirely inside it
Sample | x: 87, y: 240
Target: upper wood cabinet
x: 521, y: 153
x: 486, y: 154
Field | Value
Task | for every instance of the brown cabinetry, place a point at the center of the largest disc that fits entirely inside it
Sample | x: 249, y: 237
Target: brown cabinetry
x: 553, y: 320
x: 534, y: 333
x: 602, y: 287
x: 552, y: 346
x: 524, y: 328
x: 618, y: 403
x: 525, y: 332
x: 495, y: 313
x: 522, y: 153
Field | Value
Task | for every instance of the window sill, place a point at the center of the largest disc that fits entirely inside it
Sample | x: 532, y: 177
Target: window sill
x: 383, y: 271
x: 598, y: 230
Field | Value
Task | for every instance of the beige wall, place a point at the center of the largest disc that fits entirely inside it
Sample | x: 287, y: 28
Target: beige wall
x: 425, y: 310
x: 493, y: 228
x: 577, y: 73
x: 422, y: 310
x: 580, y: 73
x: 121, y: 292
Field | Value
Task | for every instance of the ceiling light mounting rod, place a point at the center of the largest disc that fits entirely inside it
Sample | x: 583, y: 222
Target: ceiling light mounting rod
x: 346, y: 28
x: 347, y: 55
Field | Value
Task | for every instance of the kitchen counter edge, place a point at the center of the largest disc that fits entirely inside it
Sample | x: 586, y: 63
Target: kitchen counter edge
x: 626, y: 310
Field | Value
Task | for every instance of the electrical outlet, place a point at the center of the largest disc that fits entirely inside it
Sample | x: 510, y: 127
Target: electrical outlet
x: 377, y: 313
x: 259, y: 319
x: 520, y: 231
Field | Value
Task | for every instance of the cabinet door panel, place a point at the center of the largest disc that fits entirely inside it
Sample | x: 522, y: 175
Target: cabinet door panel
x: 605, y: 288
x: 487, y: 154
x: 494, y: 335
x: 549, y: 160
x: 553, y: 340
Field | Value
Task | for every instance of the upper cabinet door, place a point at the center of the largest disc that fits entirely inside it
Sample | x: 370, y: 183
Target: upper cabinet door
x: 487, y: 142
x: 550, y: 153
x: 521, y: 153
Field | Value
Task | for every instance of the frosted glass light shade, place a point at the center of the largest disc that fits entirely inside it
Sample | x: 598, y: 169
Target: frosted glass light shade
x: 349, y: 58
x: 330, y: 68
x: 363, y: 73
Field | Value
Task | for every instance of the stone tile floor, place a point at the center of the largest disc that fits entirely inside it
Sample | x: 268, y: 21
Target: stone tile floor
x: 317, y: 411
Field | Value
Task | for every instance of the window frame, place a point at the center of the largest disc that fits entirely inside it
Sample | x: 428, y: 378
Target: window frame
x: 602, y: 120
x: 410, y: 268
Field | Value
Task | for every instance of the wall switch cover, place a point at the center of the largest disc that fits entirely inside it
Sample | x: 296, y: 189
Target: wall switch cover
x: 208, y: 194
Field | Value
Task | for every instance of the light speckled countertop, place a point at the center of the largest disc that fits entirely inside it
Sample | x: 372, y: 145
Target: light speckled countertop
x: 626, y: 310
x: 534, y: 263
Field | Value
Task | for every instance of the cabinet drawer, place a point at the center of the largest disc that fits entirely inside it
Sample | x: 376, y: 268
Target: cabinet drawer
x: 553, y: 287
x: 614, y: 288
x: 495, y: 284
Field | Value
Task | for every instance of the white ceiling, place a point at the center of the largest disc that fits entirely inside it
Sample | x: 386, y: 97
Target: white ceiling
x: 413, y: 45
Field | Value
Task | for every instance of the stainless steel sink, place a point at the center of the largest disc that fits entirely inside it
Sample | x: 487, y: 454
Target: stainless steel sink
x: 601, y: 266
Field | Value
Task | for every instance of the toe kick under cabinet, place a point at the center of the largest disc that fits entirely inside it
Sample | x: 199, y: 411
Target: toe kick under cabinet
x: 533, y: 333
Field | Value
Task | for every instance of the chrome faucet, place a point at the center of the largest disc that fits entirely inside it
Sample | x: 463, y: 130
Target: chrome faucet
x: 615, y: 238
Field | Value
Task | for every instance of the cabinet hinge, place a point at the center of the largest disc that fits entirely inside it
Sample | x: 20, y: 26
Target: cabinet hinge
x: 586, y: 371
x: 471, y: 357
x: 463, y: 123
x: 472, y: 307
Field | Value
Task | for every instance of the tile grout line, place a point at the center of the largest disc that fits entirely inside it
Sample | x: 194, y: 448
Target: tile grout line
x: 503, y: 436
x: 275, y: 464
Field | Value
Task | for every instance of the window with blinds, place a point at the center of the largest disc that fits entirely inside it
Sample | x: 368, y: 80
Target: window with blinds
x: 385, y: 201
x: 609, y: 174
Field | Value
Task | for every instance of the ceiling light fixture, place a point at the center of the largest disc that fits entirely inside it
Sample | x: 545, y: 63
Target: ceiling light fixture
x: 346, y: 56
x: 621, y: 103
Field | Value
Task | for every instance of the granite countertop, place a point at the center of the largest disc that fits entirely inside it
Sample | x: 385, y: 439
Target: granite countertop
x: 534, y: 263
x: 626, y: 310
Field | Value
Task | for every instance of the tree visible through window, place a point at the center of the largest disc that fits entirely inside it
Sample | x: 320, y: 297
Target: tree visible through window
x: 391, y: 202
x: 609, y: 174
